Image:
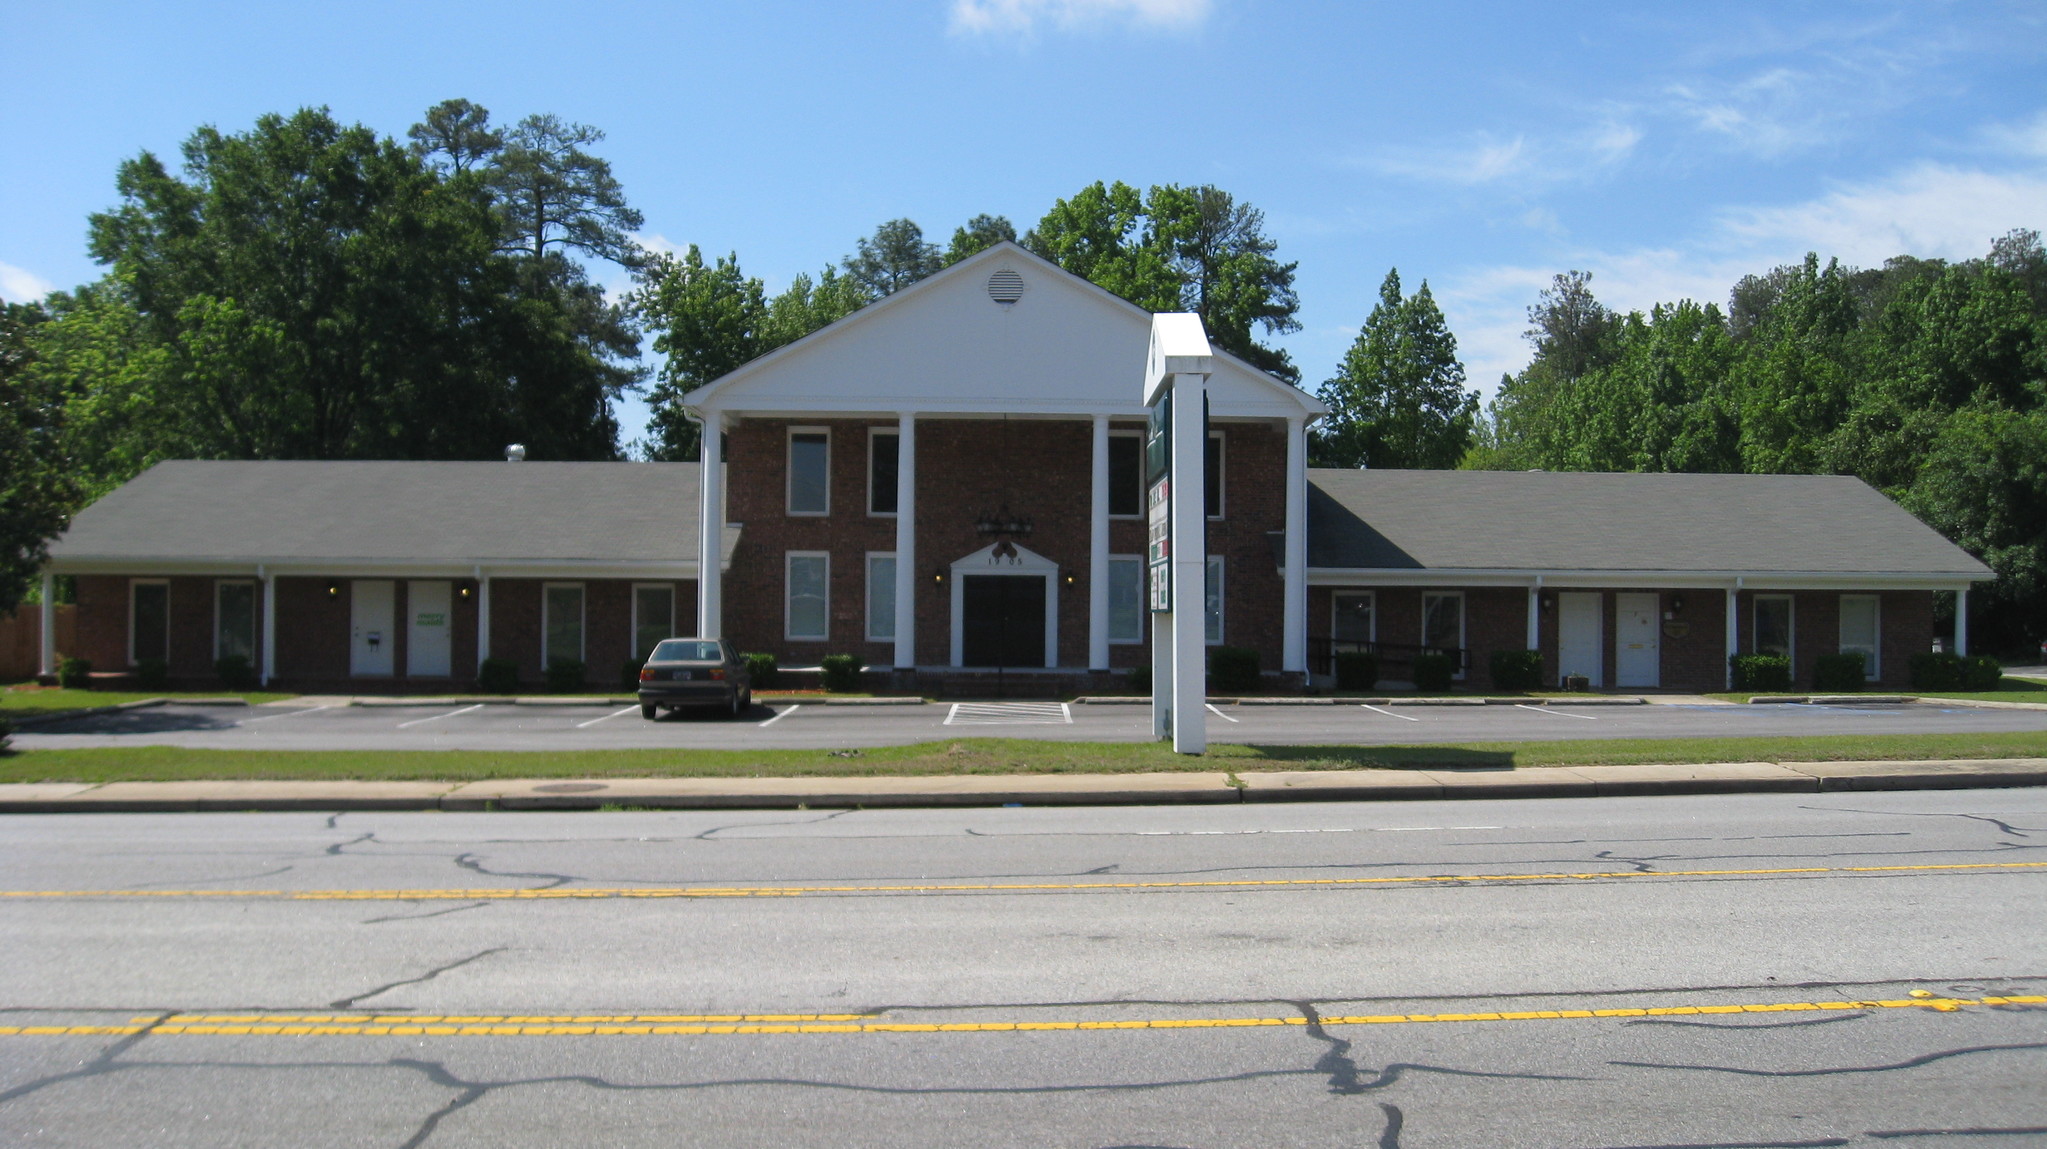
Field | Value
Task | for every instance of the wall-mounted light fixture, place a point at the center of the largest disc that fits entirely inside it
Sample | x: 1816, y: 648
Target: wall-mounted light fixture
x: 465, y: 589
x: 1069, y: 580
x: 1548, y: 601
x: 333, y: 588
x: 938, y: 574
x: 1677, y: 604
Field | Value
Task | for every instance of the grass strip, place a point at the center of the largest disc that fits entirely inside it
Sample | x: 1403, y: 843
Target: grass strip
x: 31, y: 703
x: 974, y: 756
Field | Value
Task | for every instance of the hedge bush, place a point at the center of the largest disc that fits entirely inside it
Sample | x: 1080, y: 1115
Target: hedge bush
x: 75, y: 673
x: 1936, y: 670
x: 629, y: 674
x: 498, y: 676
x: 1517, y: 669
x: 1842, y: 673
x: 761, y: 670
x: 153, y: 674
x: 1433, y: 673
x: 1981, y: 672
x: 1356, y: 670
x: 1138, y: 681
x: 565, y: 675
x: 1764, y: 672
x: 1233, y: 669
x: 842, y: 673
x: 234, y: 672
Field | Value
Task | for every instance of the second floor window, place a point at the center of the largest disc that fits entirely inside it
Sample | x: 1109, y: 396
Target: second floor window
x: 810, y: 458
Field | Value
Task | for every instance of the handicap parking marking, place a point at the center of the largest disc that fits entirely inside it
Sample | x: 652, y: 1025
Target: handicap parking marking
x: 438, y: 717
x: 1009, y: 714
x: 1389, y: 713
x: 1554, y: 713
x: 608, y: 717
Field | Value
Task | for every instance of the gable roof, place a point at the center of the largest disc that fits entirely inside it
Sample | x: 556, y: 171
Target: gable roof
x: 944, y: 345
x: 416, y: 513
x: 1573, y: 521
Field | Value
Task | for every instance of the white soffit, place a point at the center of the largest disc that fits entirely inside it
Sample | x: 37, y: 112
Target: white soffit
x: 946, y: 345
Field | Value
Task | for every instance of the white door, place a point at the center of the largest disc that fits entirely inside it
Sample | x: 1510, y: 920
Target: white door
x: 370, y: 643
x: 426, y: 643
x: 1638, y: 656
x: 1581, y: 634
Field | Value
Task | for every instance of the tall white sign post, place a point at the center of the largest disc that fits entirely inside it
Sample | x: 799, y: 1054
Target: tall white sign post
x: 1176, y: 375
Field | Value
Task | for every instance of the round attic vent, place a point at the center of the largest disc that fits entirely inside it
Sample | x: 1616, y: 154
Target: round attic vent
x: 1005, y: 286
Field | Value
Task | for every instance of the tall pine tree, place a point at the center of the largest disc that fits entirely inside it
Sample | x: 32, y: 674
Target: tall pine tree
x: 1398, y: 399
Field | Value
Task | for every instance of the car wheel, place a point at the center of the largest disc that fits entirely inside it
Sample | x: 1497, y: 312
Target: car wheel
x: 749, y: 699
x: 649, y: 711
x: 737, y: 708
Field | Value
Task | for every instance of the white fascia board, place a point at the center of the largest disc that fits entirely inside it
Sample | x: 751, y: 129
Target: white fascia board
x: 1668, y: 580
x: 356, y: 568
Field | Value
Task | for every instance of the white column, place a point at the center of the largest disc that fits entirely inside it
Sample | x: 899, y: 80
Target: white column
x: 1098, y: 554
x: 906, y: 541
x: 1733, y: 636
x: 711, y: 533
x: 1294, y: 645
x: 1962, y: 622
x: 48, y: 661
x: 1190, y: 568
x: 482, y: 619
x: 1535, y: 615
x: 269, y: 582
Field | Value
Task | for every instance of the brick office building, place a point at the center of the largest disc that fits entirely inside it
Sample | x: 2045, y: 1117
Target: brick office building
x: 946, y: 484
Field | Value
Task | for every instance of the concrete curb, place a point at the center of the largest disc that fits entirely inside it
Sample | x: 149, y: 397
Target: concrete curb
x: 1207, y: 787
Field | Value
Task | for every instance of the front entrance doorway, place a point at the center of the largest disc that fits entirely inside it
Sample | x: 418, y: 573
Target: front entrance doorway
x: 1580, y: 645
x: 1002, y: 620
x: 1638, y: 648
x: 427, y: 648
x: 371, y: 638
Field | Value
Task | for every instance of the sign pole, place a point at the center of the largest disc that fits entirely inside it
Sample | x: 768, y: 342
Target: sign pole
x: 1175, y: 391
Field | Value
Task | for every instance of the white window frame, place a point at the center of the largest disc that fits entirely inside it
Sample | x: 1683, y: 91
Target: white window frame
x: 1222, y: 472
x: 1216, y: 565
x: 788, y: 598
x: 874, y: 433
x: 1790, y: 625
x: 166, y: 585
x: 255, y: 612
x: 1463, y: 621
x: 1143, y: 615
x: 548, y: 655
x: 1139, y: 437
x: 637, y: 588
x: 1872, y: 666
x: 789, y: 472
x: 1372, y: 634
x: 867, y: 604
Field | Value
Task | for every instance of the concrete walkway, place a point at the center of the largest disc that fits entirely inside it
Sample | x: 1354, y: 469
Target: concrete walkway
x: 1023, y: 789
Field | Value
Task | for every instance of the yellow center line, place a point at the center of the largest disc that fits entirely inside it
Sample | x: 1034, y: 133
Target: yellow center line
x: 632, y: 1025
x: 600, y: 892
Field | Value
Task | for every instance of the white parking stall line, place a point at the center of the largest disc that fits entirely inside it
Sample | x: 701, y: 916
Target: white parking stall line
x: 1389, y: 713
x: 608, y: 717
x: 438, y: 717
x: 794, y: 707
x: 1218, y: 713
x: 1009, y: 714
x: 1554, y: 713
x: 289, y: 714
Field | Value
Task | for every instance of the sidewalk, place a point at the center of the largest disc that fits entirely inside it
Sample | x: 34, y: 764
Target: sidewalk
x: 1022, y: 789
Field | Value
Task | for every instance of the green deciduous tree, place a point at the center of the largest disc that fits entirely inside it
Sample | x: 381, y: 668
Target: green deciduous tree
x: 37, y: 491
x: 1398, y: 399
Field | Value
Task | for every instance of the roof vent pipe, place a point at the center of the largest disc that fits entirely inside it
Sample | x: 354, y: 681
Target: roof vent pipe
x: 515, y: 453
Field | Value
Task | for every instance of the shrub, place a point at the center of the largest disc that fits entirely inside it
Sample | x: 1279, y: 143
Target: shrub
x: 152, y: 674
x: 629, y: 674
x: 75, y: 673
x: 842, y: 673
x: 6, y: 732
x: 234, y: 672
x: 761, y: 669
x: 498, y: 676
x: 1138, y: 681
x: 1764, y: 672
x: 1981, y: 672
x: 564, y: 675
x: 1356, y: 669
x: 1517, y: 669
x: 1842, y: 673
x: 1936, y: 670
x: 1233, y: 669
x: 1433, y: 673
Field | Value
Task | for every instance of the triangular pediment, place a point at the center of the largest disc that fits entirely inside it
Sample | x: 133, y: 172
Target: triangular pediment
x: 995, y: 558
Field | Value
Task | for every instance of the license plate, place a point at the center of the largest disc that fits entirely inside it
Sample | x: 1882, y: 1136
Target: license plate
x: 685, y: 675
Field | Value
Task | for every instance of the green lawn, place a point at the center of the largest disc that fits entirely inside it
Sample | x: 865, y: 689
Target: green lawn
x: 973, y: 756
x: 30, y: 701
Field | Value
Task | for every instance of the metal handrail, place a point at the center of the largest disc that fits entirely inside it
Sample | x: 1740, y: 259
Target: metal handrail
x: 1322, y: 653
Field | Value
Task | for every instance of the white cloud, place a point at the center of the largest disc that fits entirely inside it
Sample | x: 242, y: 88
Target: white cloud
x: 2023, y: 139
x: 1487, y: 159
x: 20, y: 285
x: 1480, y: 163
x: 1025, y: 17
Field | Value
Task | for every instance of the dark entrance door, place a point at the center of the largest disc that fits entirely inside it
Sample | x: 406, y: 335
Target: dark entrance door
x: 1002, y: 620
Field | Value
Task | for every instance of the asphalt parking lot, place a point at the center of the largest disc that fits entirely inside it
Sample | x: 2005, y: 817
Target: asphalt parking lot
x: 463, y: 726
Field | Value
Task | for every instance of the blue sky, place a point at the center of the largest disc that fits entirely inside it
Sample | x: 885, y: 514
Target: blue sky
x: 1666, y: 148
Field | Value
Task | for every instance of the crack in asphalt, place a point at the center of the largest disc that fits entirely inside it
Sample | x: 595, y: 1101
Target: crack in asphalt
x: 1390, y: 1137
x: 1827, y: 1020
x: 346, y: 1002
x: 468, y: 861
x: 181, y: 882
x: 1346, y: 1079
x: 1842, y: 1070
x: 1973, y: 1131
x: 423, y: 917
x: 706, y: 835
x: 105, y: 1062
x: 2003, y: 826
x: 334, y: 851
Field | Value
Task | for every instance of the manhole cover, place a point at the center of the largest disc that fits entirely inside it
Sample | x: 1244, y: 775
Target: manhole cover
x: 571, y: 787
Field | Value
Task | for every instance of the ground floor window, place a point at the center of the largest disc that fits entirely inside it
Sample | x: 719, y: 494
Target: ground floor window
x: 808, y: 573
x: 1773, y: 625
x: 881, y: 596
x: 561, y: 622
x: 1859, y: 631
x: 234, y: 621
x: 1353, y: 616
x: 1443, y: 623
x: 1126, y: 598
x: 149, y: 620
x: 653, y: 616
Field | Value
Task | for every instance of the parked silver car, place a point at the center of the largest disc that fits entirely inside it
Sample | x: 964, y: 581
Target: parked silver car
x: 694, y: 672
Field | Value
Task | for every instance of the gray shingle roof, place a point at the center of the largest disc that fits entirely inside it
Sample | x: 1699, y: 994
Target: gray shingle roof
x: 1548, y: 520
x: 400, y: 512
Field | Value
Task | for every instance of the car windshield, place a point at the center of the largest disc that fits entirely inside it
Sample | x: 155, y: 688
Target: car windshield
x: 687, y: 650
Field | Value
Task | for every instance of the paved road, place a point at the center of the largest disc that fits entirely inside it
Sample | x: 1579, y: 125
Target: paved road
x: 476, y: 727
x: 1335, y: 975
